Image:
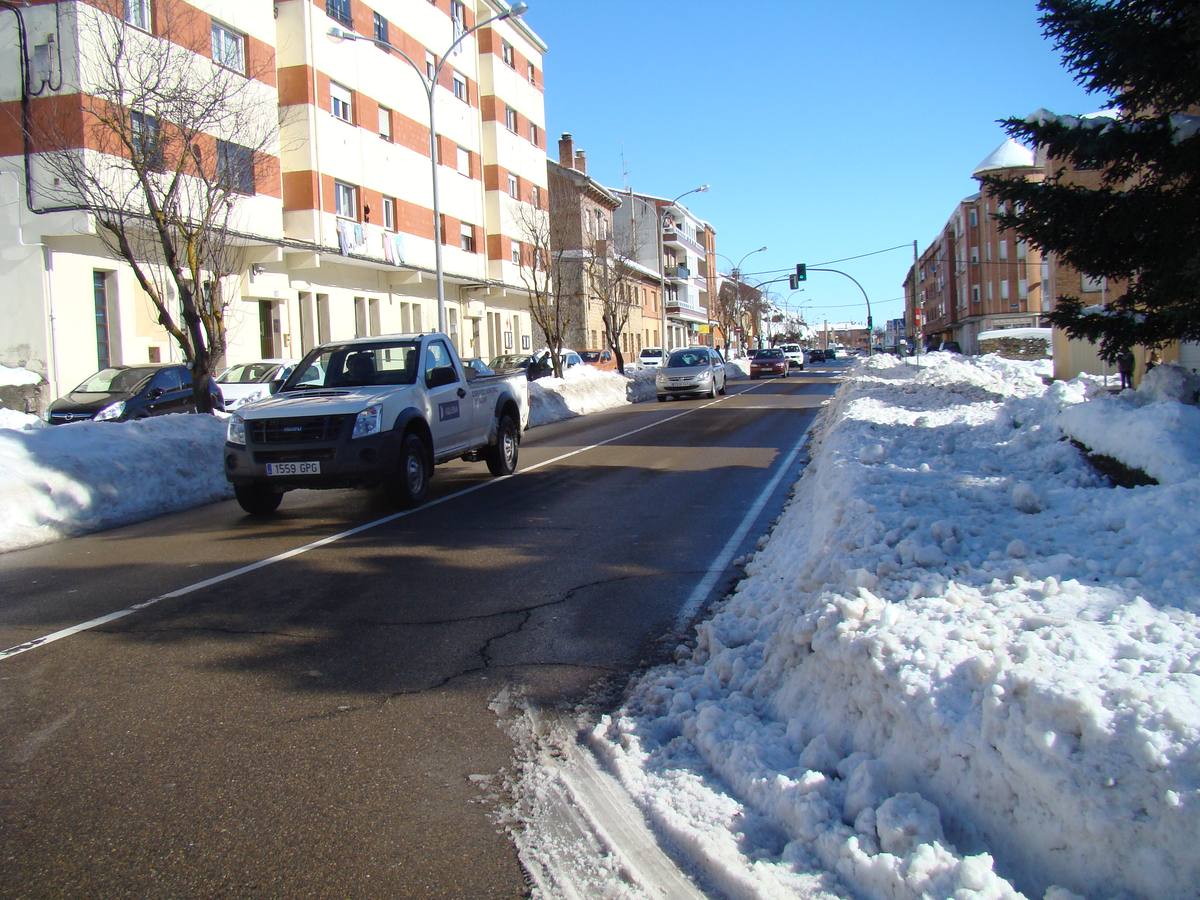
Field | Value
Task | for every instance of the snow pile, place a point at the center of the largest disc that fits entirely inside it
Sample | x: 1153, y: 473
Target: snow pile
x: 93, y: 475
x: 586, y: 389
x: 17, y: 377
x: 1147, y: 429
x: 975, y: 672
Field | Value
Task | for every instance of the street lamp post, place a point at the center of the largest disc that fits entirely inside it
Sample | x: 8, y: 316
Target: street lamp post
x: 430, y: 85
x: 737, y: 279
x: 662, y: 259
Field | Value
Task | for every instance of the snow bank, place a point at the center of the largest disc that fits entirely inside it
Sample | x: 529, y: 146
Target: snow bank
x: 17, y: 377
x: 89, y: 476
x: 974, y: 670
x: 586, y: 389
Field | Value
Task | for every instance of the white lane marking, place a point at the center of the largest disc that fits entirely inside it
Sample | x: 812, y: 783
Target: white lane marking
x: 692, y: 606
x: 325, y: 541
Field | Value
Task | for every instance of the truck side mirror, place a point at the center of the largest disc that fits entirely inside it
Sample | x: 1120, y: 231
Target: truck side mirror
x: 442, y: 376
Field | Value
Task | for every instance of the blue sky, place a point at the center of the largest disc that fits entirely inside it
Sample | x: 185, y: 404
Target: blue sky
x: 825, y: 130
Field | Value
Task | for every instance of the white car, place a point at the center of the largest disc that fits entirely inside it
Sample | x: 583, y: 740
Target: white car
x: 794, y: 354
x: 246, y: 382
x: 651, y: 357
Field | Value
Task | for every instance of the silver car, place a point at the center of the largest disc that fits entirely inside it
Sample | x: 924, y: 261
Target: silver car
x: 695, y: 370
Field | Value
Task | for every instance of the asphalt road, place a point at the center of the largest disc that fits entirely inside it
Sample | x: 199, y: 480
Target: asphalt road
x: 322, y: 725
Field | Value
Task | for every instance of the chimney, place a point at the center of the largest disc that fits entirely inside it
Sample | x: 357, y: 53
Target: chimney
x: 580, y: 162
x: 566, y: 151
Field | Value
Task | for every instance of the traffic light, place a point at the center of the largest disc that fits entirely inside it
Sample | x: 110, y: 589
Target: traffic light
x: 793, y: 282
x: 801, y: 272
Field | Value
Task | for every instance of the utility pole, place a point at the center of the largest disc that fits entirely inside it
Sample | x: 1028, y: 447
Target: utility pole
x: 920, y: 338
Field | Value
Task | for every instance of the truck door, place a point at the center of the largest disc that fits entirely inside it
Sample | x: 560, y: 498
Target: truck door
x: 450, y: 411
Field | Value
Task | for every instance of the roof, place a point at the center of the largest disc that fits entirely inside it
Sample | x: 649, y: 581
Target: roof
x: 598, y: 191
x: 1010, y: 155
x: 665, y: 200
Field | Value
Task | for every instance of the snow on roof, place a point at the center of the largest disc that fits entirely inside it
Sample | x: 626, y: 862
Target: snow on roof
x: 1010, y: 155
x: 1015, y: 333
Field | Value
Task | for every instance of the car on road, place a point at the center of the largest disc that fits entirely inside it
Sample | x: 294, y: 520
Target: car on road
x: 768, y: 361
x: 794, y: 355
x: 691, y: 371
x: 388, y: 410
x: 816, y: 355
x: 651, y: 357
x: 246, y: 382
x: 122, y: 393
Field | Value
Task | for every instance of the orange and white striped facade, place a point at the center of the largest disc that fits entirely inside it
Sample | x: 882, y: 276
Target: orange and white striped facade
x: 340, y: 221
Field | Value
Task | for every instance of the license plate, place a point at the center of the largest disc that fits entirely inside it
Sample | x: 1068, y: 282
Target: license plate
x: 294, y: 468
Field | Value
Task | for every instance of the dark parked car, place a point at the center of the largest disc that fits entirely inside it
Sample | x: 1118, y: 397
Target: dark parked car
x: 816, y: 356
x: 121, y: 393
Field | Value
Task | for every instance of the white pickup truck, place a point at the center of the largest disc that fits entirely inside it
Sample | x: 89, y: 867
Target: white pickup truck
x: 376, y: 411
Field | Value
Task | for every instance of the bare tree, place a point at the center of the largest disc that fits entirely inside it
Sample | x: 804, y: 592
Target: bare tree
x: 739, y: 305
x: 177, y: 127
x: 547, y: 279
x: 611, y: 282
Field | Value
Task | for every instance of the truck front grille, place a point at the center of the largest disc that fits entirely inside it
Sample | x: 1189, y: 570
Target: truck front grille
x: 299, y: 430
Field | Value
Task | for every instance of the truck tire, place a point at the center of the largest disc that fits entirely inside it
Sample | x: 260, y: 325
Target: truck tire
x: 257, y: 499
x: 502, y: 456
x: 411, y: 484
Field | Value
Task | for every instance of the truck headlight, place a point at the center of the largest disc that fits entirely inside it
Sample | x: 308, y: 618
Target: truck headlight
x: 235, y: 430
x: 112, y: 411
x: 368, y: 422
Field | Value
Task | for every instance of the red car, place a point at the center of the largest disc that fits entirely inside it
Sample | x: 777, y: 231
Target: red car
x: 768, y: 361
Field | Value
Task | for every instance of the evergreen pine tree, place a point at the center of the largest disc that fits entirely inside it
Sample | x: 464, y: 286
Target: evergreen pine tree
x: 1141, y: 225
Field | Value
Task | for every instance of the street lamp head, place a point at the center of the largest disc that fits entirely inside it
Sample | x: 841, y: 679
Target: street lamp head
x: 517, y: 10
x: 761, y: 249
x: 702, y: 189
x: 341, y: 35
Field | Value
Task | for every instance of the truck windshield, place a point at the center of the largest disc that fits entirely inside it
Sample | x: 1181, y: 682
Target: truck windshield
x: 356, y: 365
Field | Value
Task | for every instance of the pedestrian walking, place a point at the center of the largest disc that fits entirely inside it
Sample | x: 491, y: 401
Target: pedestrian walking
x: 1125, y: 367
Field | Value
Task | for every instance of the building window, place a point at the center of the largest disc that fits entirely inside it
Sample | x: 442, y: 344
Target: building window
x: 460, y: 87
x: 345, y: 199
x: 975, y: 293
x: 147, y: 142
x: 458, y: 12
x: 506, y: 53
x: 466, y: 238
x: 228, y: 48
x: 533, y: 134
x: 1003, y: 249
x: 463, y: 161
x: 340, y: 10
x: 381, y: 28
x: 532, y: 74
x: 341, y: 102
x: 389, y: 213
x: 516, y: 253
x: 1003, y: 288
x: 360, y: 316
x: 100, y: 295
x: 1091, y: 285
x: 974, y: 218
x: 510, y: 119
x: 137, y: 14
x: 1022, y: 288
x: 535, y: 196
x: 385, y: 123
x: 430, y: 66
x: 1021, y: 249
x: 235, y: 167
x: 514, y: 187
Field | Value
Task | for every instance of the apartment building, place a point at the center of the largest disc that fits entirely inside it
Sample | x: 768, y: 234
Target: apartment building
x: 336, y: 226
x: 595, y: 260
x: 974, y: 277
x: 688, y: 262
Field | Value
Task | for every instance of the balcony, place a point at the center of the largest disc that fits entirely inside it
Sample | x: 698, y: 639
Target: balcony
x: 677, y: 273
x: 671, y: 235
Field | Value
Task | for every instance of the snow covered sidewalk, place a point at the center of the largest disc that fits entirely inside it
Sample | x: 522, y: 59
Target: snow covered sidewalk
x: 962, y: 665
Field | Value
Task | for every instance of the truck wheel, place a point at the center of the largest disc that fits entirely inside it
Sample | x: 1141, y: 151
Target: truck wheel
x: 257, y: 499
x: 502, y: 456
x: 411, y: 485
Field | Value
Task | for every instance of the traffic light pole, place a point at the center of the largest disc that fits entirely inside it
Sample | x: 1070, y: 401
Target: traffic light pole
x: 870, y: 321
